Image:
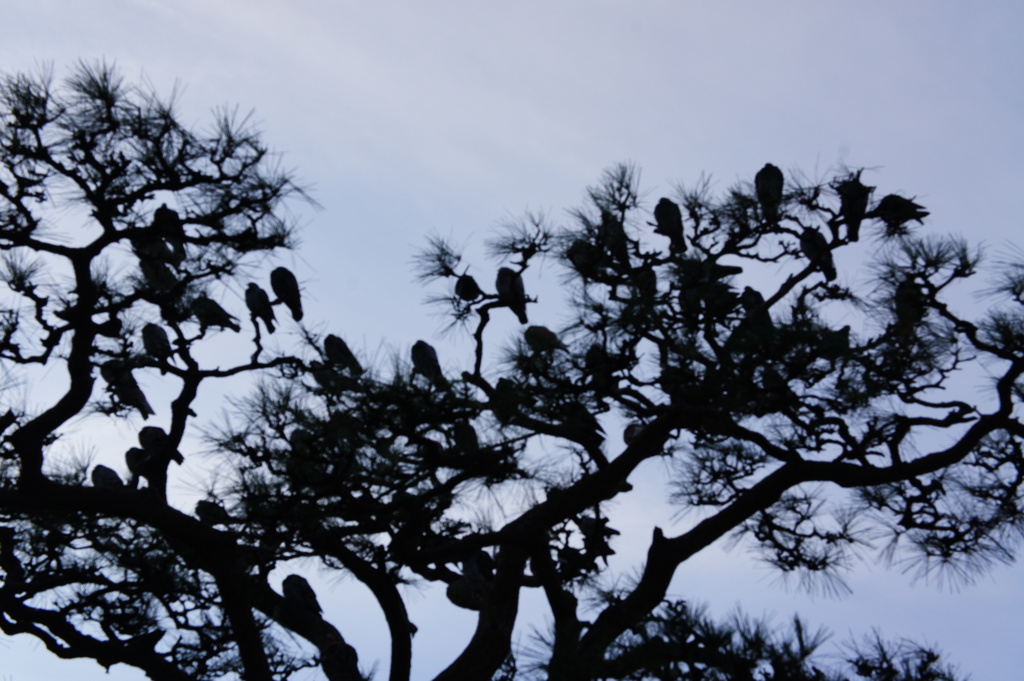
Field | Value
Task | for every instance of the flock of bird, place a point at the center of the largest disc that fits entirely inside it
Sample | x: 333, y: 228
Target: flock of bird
x: 165, y: 251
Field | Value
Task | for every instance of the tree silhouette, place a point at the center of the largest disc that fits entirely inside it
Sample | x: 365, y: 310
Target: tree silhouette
x: 799, y: 410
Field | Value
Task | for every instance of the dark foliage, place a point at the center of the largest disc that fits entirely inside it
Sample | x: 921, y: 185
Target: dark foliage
x: 796, y: 412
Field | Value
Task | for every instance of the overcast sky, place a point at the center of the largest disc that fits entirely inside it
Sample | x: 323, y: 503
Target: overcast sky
x: 410, y: 118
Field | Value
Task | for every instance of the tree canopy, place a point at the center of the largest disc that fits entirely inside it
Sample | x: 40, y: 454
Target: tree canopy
x: 805, y: 404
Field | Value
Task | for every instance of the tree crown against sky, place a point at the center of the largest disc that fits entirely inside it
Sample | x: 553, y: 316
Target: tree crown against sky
x: 796, y: 412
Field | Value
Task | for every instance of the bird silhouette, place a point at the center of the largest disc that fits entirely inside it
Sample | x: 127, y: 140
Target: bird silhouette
x: 209, y: 314
x: 168, y: 226
x: 815, y: 247
x: 156, y: 344
x: 853, y: 203
x: 424, y: 362
x: 141, y: 464
x: 669, y: 222
x: 758, y: 316
x: 909, y: 304
x: 465, y: 437
x: 299, y: 594
x: 612, y: 235
x: 580, y: 425
x: 631, y: 432
x: 586, y: 258
x: 768, y: 184
x: 339, y: 355
x: 158, y: 277
x: 286, y: 288
x: 511, y: 292
x: 895, y: 211
x: 543, y: 340
x: 123, y: 387
x: 467, y: 289
x: 505, y: 399
x: 106, y: 478
x: 258, y: 302
x: 156, y: 442
x: 166, y: 221
x: 212, y: 513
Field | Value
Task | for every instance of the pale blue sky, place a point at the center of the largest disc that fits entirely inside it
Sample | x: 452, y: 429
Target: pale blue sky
x: 407, y: 118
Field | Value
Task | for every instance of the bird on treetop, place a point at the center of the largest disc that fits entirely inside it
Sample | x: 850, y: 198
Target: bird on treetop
x: 853, y: 203
x: 669, y: 222
x: 768, y: 184
x: 424, y: 361
x: 895, y: 211
x: 339, y: 355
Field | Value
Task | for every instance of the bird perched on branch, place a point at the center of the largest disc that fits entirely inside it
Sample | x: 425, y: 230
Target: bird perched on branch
x: 853, y: 203
x: 467, y: 289
x: 465, y: 437
x: 543, y: 340
x: 300, y: 595
x: 208, y: 313
x: 286, y: 288
x: 156, y: 344
x: 511, y: 292
x: 586, y: 258
x: 424, y: 361
x: 768, y: 184
x: 815, y: 247
x: 910, y: 305
x: 212, y: 513
x: 669, y: 222
x: 156, y: 442
x: 258, y: 302
x: 340, y: 356
x: 758, y: 318
x: 895, y: 211
x: 123, y: 387
x: 106, y: 478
